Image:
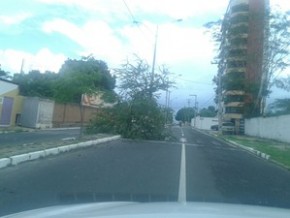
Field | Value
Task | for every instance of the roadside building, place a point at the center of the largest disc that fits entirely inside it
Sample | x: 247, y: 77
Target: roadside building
x: 243, y: 39
x: 37, y: 112
x: 10, y: 103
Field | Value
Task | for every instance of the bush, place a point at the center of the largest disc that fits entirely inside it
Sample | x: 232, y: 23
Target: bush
x: 138, y: 119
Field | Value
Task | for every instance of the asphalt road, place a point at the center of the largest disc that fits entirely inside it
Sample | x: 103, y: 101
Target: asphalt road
x: 38, y: 136
x: 195, y: 167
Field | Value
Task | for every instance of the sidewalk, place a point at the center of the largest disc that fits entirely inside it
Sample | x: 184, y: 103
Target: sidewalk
x: 274, y: 151
x: 15, y: 154
x: 15, y: 129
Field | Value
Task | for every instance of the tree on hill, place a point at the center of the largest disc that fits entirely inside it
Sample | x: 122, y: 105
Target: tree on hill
x: 4, y: 74
x: 280, y: 107
x: 36, y: 84
x: 87, y: 75
x: 210, y: 111
x: 185, y: 114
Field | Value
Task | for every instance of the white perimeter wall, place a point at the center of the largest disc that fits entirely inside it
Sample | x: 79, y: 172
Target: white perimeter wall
x: 204, y: 122
x: 277, y: 128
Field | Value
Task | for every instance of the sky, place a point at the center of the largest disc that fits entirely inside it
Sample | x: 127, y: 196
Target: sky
x: 42, y: 34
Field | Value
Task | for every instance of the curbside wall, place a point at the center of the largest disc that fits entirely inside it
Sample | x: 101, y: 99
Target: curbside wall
x: 276, y: 128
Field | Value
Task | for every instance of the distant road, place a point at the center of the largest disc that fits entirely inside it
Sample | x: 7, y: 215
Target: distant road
x: 38, y: 136
x: 195, y: 167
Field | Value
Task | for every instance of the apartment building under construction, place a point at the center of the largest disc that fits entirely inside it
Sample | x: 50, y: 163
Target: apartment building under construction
x: 242, y: 50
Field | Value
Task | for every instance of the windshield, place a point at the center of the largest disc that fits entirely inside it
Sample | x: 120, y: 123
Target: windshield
x: 144, y: 101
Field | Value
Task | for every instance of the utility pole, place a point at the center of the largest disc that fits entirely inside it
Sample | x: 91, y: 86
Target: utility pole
x: 195, y: 108
x: 167, y: 105
x: 154, y: 55
x: 188, y: 111
x: 220, y: 101
x: 154, y: 61
x: 22, y: 66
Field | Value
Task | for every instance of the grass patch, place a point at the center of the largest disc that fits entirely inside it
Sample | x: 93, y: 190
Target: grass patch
x: 278, y: 151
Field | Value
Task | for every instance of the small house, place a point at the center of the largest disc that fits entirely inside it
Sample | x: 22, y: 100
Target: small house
x: 10, y: 103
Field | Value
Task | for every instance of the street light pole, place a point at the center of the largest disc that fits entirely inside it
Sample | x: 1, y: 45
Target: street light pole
x: 154, y: 56
x: 195, y: 108
x: 154, y: 53
x: 154, y: 61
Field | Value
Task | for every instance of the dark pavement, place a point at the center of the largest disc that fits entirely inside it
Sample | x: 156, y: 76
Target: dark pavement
x: 217, y: 172
x: 146, y: 171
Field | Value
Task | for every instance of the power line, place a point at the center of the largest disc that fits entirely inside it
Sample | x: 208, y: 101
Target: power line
x: 191, y: 81
x: 130, y: 12
x: 136, y: 22
x: 203, y: 104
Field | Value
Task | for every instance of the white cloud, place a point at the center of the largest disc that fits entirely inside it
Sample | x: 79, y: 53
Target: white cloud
x: 102, y: 8
x: 87, y: 4
x: 172, y: 8
x: 14, y: 19
x: 178, y: 9
x: 44, y: 59
x: 179, y: 44
x: 95, y: 37
x: 285, y: 5
x: 175, y: 44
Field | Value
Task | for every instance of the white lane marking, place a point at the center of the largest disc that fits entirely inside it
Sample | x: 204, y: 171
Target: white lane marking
x: 182, y: 133
x: 183, y: 140
x: 182, y: 177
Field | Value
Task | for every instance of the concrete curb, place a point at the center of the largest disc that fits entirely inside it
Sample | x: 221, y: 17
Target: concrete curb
x: 232, y: 143
x: 21, y: 158
x: 251, y: 150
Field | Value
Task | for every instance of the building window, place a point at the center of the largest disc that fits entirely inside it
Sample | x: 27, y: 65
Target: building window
x: 240, y: 29
x: 234, y: 98
x: 241, y: 18
x: 234, y: 110
x: 237, y: 63
x: 233, y: 81
x: 240, y: 8
x: 237, y: 52
x: 238, y: 41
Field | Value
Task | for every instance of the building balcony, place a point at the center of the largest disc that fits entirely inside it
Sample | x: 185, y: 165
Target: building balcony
x: 228, y: 116
x: 234, y: 104
x: 238, y: 47
x: 238, y: 2
x: 239, y: 13
x: 241, y: 28
x: 239, y: 18
x: 240, y: 24
x: 238, y: 36
x: 244, y: 58
x: 234, y: 92
x: 240, y: 7
x: 236, y: 70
